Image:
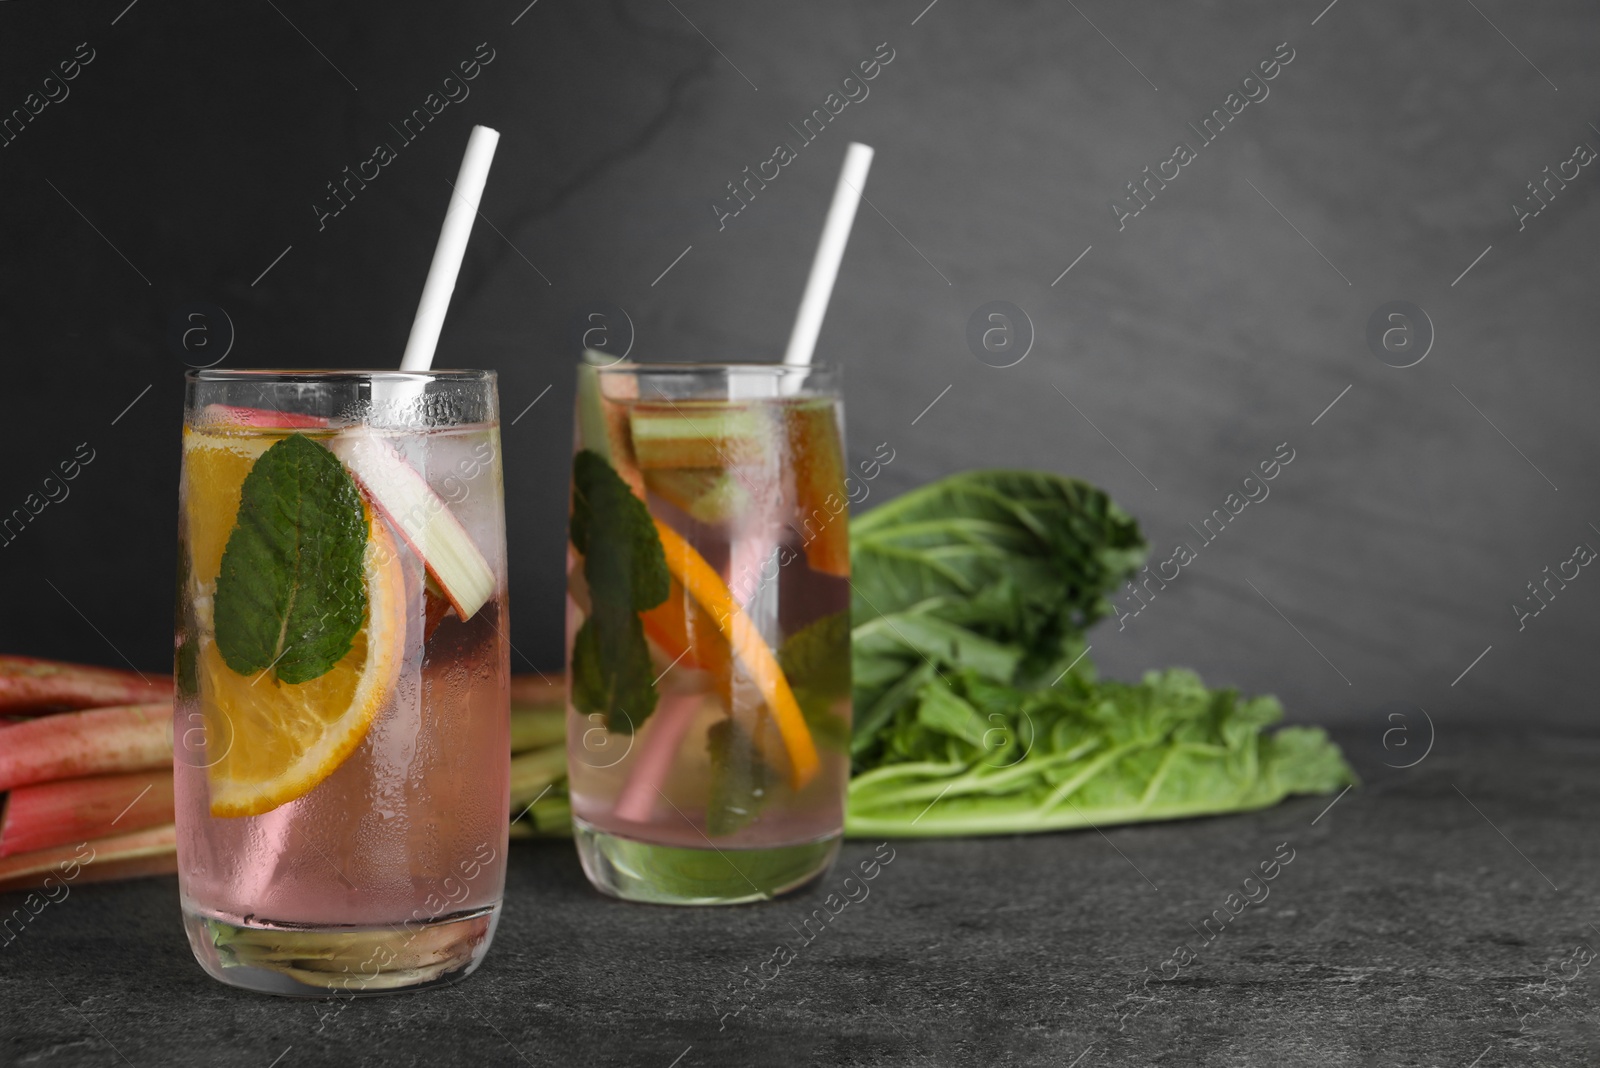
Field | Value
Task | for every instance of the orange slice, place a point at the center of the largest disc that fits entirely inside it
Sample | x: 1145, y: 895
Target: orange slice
x: 702, y: 582
x: 685, y: 633
x: 269, y: 742
x: 214, y: 466
x: 273, y: 741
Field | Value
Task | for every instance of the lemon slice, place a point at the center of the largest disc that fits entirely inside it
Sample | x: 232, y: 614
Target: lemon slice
x: 270, y: 742
x: 274, y: 741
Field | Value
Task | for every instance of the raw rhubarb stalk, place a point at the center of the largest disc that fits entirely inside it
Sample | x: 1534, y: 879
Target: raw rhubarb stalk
x: 164, y: 862
x: 533, y: 773
x: 421, y: 517
x: 691, y: 435
x: 706, y: 494
x: 602, y: 421
x: 137, y: 867
x: 28, y: 686
x: 689, y: 640
x: 73, y: 810
x: 70, y: 745
x: 658, y: 748
x: 550, y: 816
x: 535, y: 728
x: 819, y: 477
x: 539, y: 690
x: 145, y: 852
x: 262, y: 417
x: 435, y: 606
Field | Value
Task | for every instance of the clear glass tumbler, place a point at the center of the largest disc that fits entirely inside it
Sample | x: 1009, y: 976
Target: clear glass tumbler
x: 708, y: 630
x: 341, y: 722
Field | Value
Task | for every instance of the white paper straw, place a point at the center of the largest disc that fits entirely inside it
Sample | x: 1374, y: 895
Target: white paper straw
x: 447, y: 255
x: 830, y: 251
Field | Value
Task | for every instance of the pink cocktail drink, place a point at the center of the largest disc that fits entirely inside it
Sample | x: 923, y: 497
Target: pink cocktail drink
x: 708, y: 628
x: 341, y: 721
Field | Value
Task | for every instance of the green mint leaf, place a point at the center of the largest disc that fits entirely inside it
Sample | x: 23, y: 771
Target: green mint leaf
x: 611, y: 670
x: 291, y: 596
x: 816, y: 661
x: 626, y: 572
x: 741, y: 779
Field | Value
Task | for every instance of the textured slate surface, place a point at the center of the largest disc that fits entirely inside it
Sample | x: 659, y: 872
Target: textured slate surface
x: 1407, y: 930
x: 1221, y: 321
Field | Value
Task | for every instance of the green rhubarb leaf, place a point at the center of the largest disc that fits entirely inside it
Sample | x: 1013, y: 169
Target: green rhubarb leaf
x: 947, y: 712
x: 997, y: 571
x: 626, y: 572
x: 1006, y: 760
x: 291, y: 595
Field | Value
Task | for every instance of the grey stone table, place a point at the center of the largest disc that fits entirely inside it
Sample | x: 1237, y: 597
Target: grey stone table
x: 1441, y: 915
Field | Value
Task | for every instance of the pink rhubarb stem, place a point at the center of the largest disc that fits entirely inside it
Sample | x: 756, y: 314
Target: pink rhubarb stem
x: 147, y: 852
x: 663, y: 736
x: 539, y: 690
x: 29, y: 685
x: 228, y: 413
x: 72, y: 745
x: 73, y: 810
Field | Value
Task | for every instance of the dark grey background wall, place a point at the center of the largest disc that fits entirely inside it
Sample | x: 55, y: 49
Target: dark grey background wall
x: 1179, y: 351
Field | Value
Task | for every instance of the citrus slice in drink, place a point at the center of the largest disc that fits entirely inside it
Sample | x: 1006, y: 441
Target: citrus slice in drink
x: 268, y: 742
x: 215, y: 465
x: 702, y: 583
x: 687, y: 634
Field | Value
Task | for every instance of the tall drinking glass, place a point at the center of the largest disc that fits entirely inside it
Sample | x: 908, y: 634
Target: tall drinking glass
x: 708, y: 630
x: 341, y: 722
